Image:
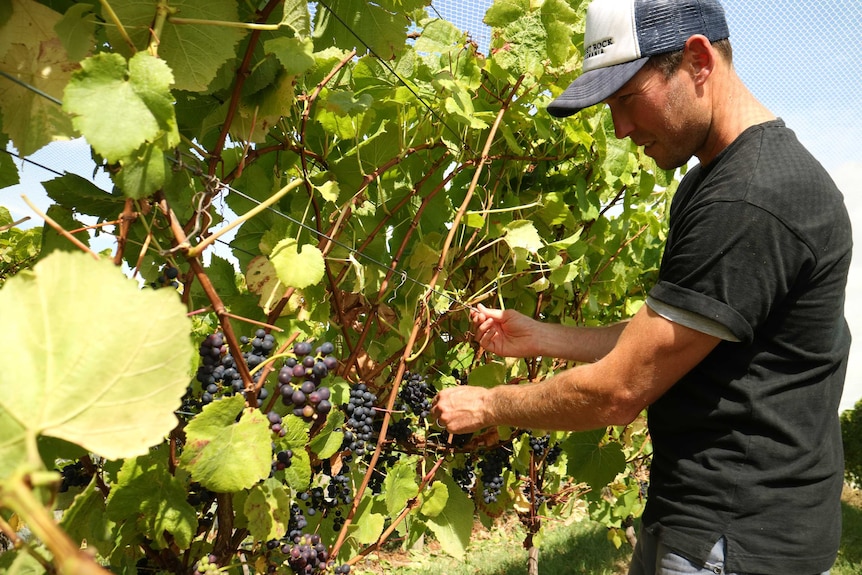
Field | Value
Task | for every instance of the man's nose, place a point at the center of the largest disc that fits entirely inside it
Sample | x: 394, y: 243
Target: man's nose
x: 623, y: 126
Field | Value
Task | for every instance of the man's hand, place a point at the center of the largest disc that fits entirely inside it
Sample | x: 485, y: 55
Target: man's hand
x: 462, y: 409
x: 507, y: 333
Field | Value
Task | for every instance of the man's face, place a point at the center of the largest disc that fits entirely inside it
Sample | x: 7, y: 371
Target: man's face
x: 661, y: 114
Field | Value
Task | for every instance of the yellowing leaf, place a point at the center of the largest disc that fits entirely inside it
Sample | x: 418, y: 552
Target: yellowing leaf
x: 435, y: 499
x: 523, y: 234
x: 297, y: 267
x: 226, y: 455
x: 31, y: 52
x: 93, y: 359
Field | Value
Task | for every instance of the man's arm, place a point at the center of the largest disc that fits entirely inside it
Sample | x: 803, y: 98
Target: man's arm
x: 652, y: 354
x: 509, y: 333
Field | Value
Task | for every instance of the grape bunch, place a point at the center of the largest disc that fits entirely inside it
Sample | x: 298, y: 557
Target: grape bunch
x: 207, y: 564
x: 416, y: 393
x: 74, y: 475
x: 360, y: 413
x: 276, y: 423
x: 300, y: 378
x: 491, y: 466
x: 283, y: 459
x: 167, y: 277
x: 217, y: 372
x: 541, y: 447
x: 464, y: 476
x: 297, y: 523
x: 339, y: 489
x: 307, y: 555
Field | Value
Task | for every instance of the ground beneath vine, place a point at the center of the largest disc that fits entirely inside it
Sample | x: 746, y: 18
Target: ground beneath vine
x: 394, y: 558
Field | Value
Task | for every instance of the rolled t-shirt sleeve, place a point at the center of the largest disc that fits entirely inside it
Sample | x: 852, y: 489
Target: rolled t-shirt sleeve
x: 728, y: 261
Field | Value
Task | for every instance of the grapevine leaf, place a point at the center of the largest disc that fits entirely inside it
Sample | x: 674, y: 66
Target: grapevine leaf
x: 226, y: 455
x: 523, y: 234
x: 296, y: 16
x: 297, y: 267
x: 343, y: 21
x: 434, y: 501
x: 400, y: 485
x: 76, y: 30
x: 52, y: 240
x: 267, y: 508
x: 488, y: 375
x: 106, y: 363
x: 80, y: 194
x: 195, y: 52
x: 367, y: 525
x: 8, y: 170
x: 15, y: 562
x: 591, y: 461
x: 262, y: 280
x: 298, y: 475
x: 295, y: 54
x: 503, y: 12
x: 328, y: 441
x: 118, y: 107
x: 439, y: 36
x: 30, y: 51
x: 85, y: 520
x: 143, y: 172
x: 148, y: 495
x: 454, y: 524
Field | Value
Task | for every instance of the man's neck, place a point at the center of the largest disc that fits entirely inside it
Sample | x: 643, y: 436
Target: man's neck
x: 735, y: 109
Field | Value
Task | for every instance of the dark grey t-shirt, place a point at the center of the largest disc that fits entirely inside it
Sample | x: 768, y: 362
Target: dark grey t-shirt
x: 747, y: 445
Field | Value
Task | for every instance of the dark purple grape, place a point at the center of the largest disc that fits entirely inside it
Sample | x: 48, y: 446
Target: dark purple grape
x: 298, y: 397
x: 326, y: 348
x: 302, y: 348
x: 285, y: 375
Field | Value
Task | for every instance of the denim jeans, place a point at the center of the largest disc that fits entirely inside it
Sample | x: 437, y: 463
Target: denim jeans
x: 652, y: 557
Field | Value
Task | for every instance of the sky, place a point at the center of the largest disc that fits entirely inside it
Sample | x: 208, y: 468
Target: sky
x: 802, y: 59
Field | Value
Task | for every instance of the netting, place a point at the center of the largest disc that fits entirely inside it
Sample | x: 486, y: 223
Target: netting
x: 800, y: 58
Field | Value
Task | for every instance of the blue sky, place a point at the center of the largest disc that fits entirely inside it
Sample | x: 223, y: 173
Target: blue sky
x: 803, y: 59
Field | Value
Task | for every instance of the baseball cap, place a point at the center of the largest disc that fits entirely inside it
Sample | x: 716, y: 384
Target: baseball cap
x: 620, y: 37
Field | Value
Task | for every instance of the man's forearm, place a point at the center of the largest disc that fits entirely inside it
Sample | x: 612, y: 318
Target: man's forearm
x: 582, y: 344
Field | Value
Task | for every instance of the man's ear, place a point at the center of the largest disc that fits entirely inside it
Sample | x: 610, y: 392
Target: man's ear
x: 699, y: 58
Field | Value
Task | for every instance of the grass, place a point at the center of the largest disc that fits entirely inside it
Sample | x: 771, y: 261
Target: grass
x: 578, y: 549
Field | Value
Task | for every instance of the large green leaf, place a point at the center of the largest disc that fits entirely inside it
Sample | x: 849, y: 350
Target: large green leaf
x: 400, y: 485
x: 226, y: 455
x: 119, y: 106
x: 453, y: 526
x: 592, y: 460
x: 93, y: 359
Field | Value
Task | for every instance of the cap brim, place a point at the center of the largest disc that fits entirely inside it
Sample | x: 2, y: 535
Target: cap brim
x: 593, y: 87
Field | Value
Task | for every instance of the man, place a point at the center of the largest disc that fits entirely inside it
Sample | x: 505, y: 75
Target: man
x: 741, y: 349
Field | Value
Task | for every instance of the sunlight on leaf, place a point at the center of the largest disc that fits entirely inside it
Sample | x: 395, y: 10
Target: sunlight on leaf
x: 97, y: 361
